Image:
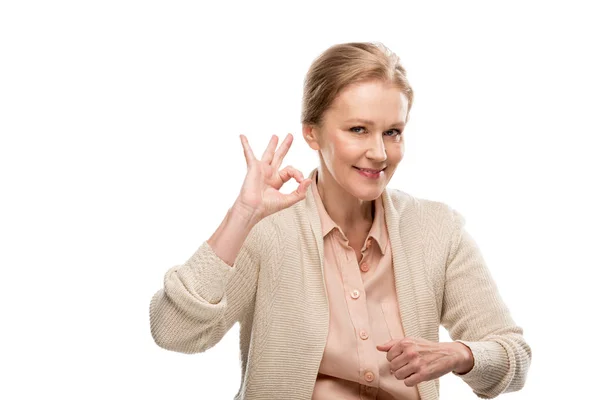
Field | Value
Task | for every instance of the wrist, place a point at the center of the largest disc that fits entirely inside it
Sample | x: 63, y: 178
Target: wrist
x: 241, y: 212
x: 466, y: 361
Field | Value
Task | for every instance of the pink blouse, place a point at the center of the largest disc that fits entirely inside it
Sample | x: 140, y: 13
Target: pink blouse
x: 363, y: 313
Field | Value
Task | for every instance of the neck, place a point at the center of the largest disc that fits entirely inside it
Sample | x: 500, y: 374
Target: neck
x: 344, y: 209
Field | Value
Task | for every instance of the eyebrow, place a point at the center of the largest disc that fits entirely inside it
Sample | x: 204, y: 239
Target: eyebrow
x: 369, y: 122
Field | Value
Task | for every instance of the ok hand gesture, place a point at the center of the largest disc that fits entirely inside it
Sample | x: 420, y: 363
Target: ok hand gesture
x: 260, y: 194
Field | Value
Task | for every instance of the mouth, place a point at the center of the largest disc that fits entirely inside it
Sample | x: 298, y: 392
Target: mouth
x: 369, y: 173
x: 369, y: 170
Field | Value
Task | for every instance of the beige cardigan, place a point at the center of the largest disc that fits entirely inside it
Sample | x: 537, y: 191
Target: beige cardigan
x: 276, y: 291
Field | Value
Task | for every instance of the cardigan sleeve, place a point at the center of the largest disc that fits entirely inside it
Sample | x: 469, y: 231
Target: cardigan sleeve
x: 474, y: 314
x: 204, y: 297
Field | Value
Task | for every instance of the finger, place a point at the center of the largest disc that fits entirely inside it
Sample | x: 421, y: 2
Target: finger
x: 282, y: 151
x: 414, y: 379
x: 386, y: 346
x: 395, y: 350
x: 405, y: 371
x: 248, y: 154
x: 298, y: 194
x: 403, y: 359
x: 268, y: 154
x: 290, y: 172
x: 427, y: 371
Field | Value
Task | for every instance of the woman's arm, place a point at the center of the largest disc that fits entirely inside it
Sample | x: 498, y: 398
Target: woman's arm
x: 474, y: 314
x: 214, y: 288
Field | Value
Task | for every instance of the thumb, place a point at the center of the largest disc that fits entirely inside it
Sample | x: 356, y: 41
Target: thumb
x: 298, y: 194
x: 385, y: 346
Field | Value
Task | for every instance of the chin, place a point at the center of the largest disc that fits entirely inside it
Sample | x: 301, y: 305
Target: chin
x: 367, y: 194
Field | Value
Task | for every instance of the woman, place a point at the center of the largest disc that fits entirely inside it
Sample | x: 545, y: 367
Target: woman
x: 340, y: 287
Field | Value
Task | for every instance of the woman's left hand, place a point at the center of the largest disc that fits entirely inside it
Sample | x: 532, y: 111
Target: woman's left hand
x: 417, y: 360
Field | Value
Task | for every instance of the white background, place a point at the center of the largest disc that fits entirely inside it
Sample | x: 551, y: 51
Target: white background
x: 120, y: 155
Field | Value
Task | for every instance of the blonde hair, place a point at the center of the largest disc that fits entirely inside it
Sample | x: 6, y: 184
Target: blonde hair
x: 345, y: 64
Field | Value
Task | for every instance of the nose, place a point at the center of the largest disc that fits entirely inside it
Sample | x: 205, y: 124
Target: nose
x: 376, y: 150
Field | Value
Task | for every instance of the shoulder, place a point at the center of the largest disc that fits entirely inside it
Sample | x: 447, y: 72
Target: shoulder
x: 424, y: 210
x: 432, y: 224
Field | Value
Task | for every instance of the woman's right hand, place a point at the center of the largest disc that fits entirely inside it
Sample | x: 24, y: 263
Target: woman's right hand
x: 260, y: 196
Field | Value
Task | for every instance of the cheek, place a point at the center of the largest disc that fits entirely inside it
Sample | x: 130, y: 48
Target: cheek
x: 344, y: 150
x: 396, y: 152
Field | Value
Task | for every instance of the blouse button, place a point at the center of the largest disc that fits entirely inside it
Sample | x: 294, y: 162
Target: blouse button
x: 355, y: 294
x: 369, y: 376
x: 364, y: 267
x: 364, y: 335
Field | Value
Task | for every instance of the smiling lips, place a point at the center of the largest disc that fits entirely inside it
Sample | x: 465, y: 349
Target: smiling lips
x: 371, y: 171
x: 370, y: 175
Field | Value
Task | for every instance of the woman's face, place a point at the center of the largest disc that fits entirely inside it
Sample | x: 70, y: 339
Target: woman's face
x: 362, y: 129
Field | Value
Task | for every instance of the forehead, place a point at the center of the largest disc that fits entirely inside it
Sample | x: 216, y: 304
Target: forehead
x: 371, y: 100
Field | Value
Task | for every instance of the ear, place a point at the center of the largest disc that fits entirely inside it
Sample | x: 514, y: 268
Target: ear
x: 311, y: 136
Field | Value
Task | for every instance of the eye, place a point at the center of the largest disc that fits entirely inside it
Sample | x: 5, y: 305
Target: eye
x: 395, y: 130
x: 356, y: 127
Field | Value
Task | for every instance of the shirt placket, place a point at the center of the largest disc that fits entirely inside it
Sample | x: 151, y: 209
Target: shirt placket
x: 356, y: 302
